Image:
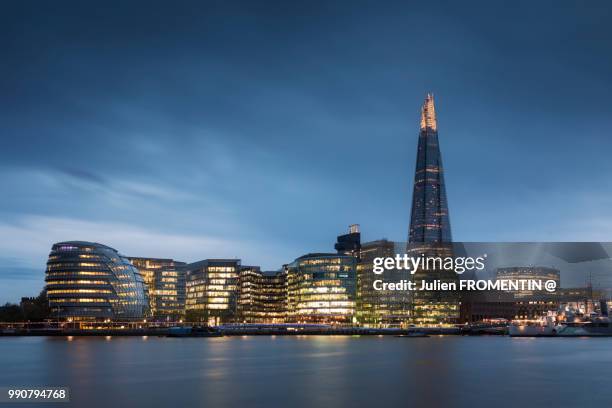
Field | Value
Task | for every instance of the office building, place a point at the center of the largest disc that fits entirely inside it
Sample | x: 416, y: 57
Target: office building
x: 529, y: 273
x: 262, y: 296
x: 430, y: 232
x: 165, y: 281
x: 212, y: 290
x: 321, y: 288
x: 349, y: 244
x: 88, y: 281
x: 381, y: 308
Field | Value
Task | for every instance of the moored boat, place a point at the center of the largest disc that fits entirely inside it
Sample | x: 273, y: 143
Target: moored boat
x: 413, y: 334
x: 193, y: 331
x: 544, y: 327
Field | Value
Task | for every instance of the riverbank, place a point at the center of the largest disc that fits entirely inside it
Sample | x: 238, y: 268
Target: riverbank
x: 236, y: 329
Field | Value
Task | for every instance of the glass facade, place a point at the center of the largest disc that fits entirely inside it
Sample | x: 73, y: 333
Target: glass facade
x: 212, y: 290
x: 430, y: 231
x: 262, y: 296
x: 321, y: 289
x: 165, y: 281
x: 429, y: 219
x: 90, y: 281
x: 381, y: 308
x: 528, y: 273
x: 433, y: 307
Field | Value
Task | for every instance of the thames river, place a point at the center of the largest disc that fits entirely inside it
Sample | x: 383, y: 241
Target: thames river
x: 309, y: 371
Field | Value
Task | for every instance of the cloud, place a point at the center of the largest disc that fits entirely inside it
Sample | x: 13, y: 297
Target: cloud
x: 12, y: 269
x: 26, y: 243
x: 84, y: 175
x: 31, y: 238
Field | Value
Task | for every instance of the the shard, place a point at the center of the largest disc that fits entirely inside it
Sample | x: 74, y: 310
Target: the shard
x: 430, y: 231
x: 429, y: 221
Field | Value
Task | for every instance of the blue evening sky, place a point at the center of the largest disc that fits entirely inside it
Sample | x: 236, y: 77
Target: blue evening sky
x: 261, y: 130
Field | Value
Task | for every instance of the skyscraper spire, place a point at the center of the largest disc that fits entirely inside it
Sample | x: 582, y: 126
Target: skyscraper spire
x: 428, y: 114
x: 429, y: 220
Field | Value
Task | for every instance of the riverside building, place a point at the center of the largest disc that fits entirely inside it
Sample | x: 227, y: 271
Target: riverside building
x: 350, y: 243
x: 165, y: 280
x: 87, y: 281
x: 321, y: 289
x: 212, y: 290
x: 262, y: 296
x: 381, y: 308
x: 528, y: 273
x: 430, y: 231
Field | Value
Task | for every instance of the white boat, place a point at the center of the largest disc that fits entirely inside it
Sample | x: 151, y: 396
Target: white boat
x: 534, y: 328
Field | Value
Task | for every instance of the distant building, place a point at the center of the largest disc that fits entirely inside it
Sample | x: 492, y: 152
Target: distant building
x: 487, y: 305
x: 27, y: 301
x: 526, y: 273
x: 478, y: 306
x: 321, y: 288
x: 212, y: 290
x: 90, y: 281
x: 584, y: 300
x: 380, y: 308
x: 262, y: 296
x: 165, y: 281
x: 349, y: 244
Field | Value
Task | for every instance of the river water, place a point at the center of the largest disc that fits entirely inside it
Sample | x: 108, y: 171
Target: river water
x: 314, y: 371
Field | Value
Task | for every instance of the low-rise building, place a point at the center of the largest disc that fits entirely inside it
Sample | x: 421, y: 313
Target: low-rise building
x: 262, y: 296
x: 321, y: 288
x: 165, y: 280
x: 87, y: 281
x: 212, y: 290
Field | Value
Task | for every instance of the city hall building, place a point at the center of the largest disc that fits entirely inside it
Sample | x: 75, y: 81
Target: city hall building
x: 88, y: 281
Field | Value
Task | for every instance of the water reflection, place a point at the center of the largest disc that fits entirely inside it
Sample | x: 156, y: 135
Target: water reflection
x: 306, y: 371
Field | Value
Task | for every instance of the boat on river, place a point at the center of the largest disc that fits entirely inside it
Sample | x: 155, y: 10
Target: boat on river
x: 194, y: 331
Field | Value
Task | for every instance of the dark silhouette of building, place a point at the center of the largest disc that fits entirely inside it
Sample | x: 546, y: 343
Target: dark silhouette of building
x: 349, y: 244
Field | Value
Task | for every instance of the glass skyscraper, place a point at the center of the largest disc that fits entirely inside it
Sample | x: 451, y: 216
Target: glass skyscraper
x: 430, y: 231
x: 429, y: 220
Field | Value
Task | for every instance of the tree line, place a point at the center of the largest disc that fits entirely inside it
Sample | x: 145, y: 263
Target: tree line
x: 32, y: 310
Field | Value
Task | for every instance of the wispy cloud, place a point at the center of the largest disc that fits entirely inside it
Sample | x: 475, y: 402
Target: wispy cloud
x: 31, y: 237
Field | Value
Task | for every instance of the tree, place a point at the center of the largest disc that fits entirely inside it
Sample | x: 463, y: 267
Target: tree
x: 11, y: 313
x: 37, y: 309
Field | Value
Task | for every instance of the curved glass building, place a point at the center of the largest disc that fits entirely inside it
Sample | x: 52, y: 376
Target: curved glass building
x: 528, y: 273
x: 90, y: 281
x: 321, y: 288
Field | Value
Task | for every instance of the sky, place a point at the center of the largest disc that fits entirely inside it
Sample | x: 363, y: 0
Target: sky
x: 261, y: 130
